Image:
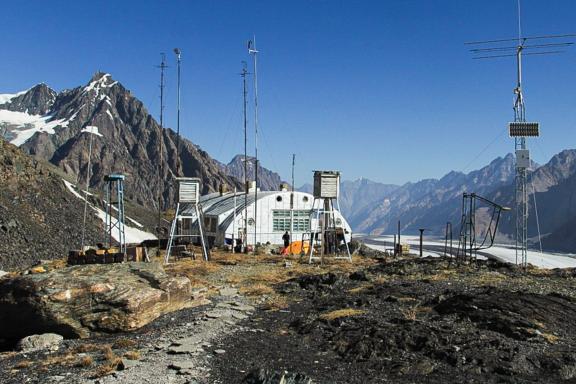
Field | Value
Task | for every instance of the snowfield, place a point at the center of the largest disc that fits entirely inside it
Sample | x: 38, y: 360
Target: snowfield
x: 500, y: 252
x: 27, y: 125
x: 7, y: 97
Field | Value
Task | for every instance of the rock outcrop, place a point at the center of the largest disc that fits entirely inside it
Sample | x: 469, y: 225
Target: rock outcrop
x: 87, y: 300
x: 267, y: 180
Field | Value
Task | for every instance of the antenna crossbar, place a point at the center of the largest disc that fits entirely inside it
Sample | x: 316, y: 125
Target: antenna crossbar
x: 521, y: 38
x: 535, y: 46
x: 523, y: 54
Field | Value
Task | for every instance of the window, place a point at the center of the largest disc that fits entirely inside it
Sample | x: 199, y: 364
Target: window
x: 281, y: 221
x: 278, y: 198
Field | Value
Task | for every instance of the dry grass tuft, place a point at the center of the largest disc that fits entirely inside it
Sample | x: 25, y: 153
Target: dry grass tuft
x: 132, y: 355
x: 106, y: 369
x: 6, y: 355
x: 381, y: 279
x: 409, y: 313
x: 192, y: 268
x: 491, y: 278
x: 550, y: 338
x: 340, y: 313
x: 275, y: 303
x: 65, y: 360
x: 108, y: 354
x: 361, y: 288
x: 84, y: 348
x: 85, y: 361
x: 124, y: 344
x: 22, y: 364
x: 256, y: 290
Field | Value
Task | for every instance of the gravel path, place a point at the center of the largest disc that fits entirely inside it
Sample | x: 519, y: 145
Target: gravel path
x: 183, y: 353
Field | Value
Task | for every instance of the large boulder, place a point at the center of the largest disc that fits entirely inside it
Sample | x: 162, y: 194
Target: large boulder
x: 86, y: 300
x: 39, y: 342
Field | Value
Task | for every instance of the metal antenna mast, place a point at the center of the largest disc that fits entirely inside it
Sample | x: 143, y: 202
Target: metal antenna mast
x: 244, y: 93
x: 91, y: 133
x: 178, y: 57
x: 520, y: 129
x: 254, y: 52
x: 162, y: 67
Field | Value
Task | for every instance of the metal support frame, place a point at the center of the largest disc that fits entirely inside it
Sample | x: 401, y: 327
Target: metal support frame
x: 448, y: 235
x: 325, y: 235
x: 115, y: 190
x: 188, y: 198
x: 468, y: 245
x: 176, y: 231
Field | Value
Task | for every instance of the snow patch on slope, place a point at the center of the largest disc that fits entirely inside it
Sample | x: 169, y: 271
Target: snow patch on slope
x: 93, y: 130
x: 7, y: 97
x: 27, y: 125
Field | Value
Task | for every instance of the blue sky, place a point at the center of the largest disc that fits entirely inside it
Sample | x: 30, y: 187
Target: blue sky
x: 379, y: 89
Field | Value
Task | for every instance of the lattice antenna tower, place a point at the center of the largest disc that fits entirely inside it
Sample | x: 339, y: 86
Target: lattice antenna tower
x: 162, y: 67
x: 520, y: 129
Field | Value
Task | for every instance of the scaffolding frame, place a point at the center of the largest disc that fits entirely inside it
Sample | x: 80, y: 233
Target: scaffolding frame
x: 188, y: 195
x: 115, y: 189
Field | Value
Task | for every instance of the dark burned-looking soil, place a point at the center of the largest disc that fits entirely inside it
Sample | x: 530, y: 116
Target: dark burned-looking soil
x: 417, y: 321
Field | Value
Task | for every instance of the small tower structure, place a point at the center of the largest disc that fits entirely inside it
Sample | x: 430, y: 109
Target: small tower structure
x: 325, y: 231
x: 115, y: 202
x: 187, y: 208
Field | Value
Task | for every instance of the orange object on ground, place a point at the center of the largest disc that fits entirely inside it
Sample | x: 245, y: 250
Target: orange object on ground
x: 296, y: 248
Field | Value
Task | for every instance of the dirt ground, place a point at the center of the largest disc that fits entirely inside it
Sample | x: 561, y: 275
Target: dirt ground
x: 374, y: 320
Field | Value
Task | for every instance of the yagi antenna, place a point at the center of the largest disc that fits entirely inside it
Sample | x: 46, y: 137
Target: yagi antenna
x: 520, y: 129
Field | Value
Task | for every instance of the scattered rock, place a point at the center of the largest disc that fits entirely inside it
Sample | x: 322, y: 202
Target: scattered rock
x: 181, y: 365
x: 38, y: 269
x: 32, y: 343
x: 229, y: 291
x: 128, y: 364
x: 219, y: 351
x: 213, y: 314
x: 359, y: 276
x: 265, y: 376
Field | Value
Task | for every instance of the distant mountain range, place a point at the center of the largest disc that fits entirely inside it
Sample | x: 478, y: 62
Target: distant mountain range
x: 375, y: 208
x: 54, y: 127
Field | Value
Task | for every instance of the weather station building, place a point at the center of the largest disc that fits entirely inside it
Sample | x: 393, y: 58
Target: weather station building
x: 225, y: 213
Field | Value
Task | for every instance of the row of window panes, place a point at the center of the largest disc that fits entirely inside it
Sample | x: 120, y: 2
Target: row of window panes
x: 286, y: 213
x: 283, y: 224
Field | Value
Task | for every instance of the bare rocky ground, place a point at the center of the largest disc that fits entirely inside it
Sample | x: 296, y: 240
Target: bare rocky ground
x: 396, y: 321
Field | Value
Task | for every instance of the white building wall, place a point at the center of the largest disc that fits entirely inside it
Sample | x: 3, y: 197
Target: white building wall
x: 264, y: 223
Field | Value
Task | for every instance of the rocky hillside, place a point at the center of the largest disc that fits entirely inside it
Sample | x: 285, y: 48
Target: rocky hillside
x: 53, y: 126
x: 39, y: 217
x: 267, y: 180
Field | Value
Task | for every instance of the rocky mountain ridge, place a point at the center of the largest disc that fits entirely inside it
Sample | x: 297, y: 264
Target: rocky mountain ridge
x: 126, y: 140
x: 267, y: 180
